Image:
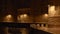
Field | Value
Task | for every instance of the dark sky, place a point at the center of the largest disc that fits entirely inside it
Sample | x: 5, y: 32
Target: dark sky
x: 23, y: 3
x: 38, y: 5
x: 54, y: 2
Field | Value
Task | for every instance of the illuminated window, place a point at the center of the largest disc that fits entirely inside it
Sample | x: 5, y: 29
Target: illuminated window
x: 51, y: 10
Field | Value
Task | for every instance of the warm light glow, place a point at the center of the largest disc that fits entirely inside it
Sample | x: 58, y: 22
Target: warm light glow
x: 22, y: 18
x: 25, y: 15
x: 51, y: 10
x: 46, y: 15
x: 8, y: 16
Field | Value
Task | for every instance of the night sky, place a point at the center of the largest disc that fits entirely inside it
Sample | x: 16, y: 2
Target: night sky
x: 54, y: 2
x: 39, y: 6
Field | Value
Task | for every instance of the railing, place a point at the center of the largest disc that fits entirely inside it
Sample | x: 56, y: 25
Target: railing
x: 39, y: 26
x: 13, y: 24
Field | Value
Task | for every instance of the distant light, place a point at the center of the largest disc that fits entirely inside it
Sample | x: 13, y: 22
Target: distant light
x: 22, y: 16
x: 8, y: 16
x: 25, y: 15
x: 46, y: 15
